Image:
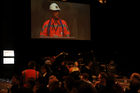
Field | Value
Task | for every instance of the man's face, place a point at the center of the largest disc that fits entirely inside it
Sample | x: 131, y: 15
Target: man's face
x: 55, y: 14
x: 90, y: 64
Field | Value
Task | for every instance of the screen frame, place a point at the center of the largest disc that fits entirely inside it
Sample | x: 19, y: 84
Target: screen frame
x: 61, y: 38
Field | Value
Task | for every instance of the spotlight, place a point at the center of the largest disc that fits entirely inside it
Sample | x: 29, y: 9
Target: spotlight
x: 102, y: 1
x: 79, y: 54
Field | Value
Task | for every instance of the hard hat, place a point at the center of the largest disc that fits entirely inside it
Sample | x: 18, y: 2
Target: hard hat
x: 54, y: 7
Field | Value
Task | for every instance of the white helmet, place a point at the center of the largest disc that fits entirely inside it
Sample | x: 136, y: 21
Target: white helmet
x: 54, y: 7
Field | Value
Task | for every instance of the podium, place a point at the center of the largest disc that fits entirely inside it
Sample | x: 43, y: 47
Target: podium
x: 65, y: 38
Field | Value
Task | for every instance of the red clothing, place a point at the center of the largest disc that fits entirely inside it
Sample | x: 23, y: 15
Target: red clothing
x: 72, y: 69
x: 30, y: 73
x: 54, y: 28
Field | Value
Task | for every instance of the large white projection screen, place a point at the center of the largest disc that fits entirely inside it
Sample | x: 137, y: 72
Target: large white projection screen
x: 76, y: 15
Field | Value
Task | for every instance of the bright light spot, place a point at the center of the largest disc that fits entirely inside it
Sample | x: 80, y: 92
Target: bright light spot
x: 8, y: 61
x: 102, y: 1
x: 8, y: 53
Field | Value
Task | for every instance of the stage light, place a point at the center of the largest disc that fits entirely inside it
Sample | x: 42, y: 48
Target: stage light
x: 102, y: 1
x: 79, y: 54
x: 8, y: 61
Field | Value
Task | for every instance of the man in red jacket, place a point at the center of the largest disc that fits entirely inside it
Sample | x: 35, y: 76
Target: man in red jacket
x: 30, y: 73
x: 55, y: 27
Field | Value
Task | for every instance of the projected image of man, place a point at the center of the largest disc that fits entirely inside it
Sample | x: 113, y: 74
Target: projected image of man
x: 55, y: 26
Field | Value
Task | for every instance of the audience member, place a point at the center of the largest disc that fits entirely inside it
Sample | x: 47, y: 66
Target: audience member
x: 30, y: 73
x: 106, y: 84
x: 85, y: 78
x: 15, y: 84
x: 88, y: 69
x: 82, y: 87
x: 44, y: 78
x: 70, y: 80
x: 134, y: 83
x: 62, y: 70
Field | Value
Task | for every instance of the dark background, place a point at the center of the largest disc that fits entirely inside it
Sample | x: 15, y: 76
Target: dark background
x: 114, y: 35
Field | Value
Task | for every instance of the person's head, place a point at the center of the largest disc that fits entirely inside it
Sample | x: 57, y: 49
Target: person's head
x: 43, y: 69
x: 68, y: 82
x: 102, y: 76
x: 32, y: 65
x: 106, y: 79
x: 85, y: 76
x: 62, y: 63
x: 75, y: 75
x: 54, y: 86
x: 54, y: 8
x: 111, y: 62
x: 52, y: 79
x: 82, y: 87
x: 15, y: 79
x: 90, y: 63
x: 135, y: 81
x: 76, y: 64
x: 48, y: 61
x: 55, y: 14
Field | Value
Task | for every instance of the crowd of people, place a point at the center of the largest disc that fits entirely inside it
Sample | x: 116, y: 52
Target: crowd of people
x: 62, y: 78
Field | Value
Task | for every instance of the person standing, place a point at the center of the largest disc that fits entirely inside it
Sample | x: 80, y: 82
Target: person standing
x: 55, y: 26
x: 30, y: 73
